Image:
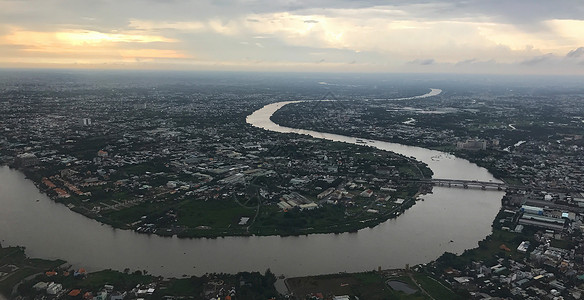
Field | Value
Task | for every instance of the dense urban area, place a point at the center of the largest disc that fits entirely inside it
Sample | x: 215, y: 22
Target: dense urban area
x: 176, y: 157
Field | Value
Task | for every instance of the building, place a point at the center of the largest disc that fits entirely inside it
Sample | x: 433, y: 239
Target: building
x: 309, y: 206
x: 472, y: 145
x: 54, y: 288
x: 40, y: 286
x: 325, y: 193
x: 523, y: 247
x: 556, y: 224
x: 534, y: 210
x: 366, y: 193
x: 102, y: 153
x: 26, y: 160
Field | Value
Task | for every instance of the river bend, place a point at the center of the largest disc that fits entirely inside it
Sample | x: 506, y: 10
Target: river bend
x: 448, y: 220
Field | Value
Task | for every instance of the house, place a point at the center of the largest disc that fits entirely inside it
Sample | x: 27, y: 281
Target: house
x: 366, y: 193
x: 74, y: 293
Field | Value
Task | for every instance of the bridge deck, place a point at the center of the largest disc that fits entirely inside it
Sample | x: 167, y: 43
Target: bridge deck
x: 484, y: 184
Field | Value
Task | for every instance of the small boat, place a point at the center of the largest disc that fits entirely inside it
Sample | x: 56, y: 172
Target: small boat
x: 360, y: 141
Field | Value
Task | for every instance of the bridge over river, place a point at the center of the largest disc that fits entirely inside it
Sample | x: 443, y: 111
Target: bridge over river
x: 500, y: 186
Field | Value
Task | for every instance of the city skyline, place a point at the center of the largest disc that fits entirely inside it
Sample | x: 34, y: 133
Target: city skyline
x: 498, y: 37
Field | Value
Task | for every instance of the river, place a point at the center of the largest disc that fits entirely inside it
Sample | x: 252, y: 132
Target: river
x: 448, y: 220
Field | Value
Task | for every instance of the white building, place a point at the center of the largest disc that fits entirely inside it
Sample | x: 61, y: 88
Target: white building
x: 54, y: 288
x: 472, y: 145
x: 309, y: 206
x: 523, y: 247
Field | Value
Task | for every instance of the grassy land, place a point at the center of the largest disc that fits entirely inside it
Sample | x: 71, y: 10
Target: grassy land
x: 363, y: 285
x: 8, y: 283
x: 212, y: 213
x: 489, y: 250
x: 26, y: 267
x: 434, y: 288
x: 98, y: 279
x: 563, y: 244
x: 221, y: 217
x: 368, y: 285
x: 489, y: 247
x: 184, y: 287
x: 133, y: 214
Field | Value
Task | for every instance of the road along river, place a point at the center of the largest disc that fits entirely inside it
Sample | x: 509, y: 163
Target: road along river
x: 448, y: 220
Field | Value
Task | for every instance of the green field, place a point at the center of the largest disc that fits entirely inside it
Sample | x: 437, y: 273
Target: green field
x: 434, y: 288
x: 219, y: 214
x: 368, y: 285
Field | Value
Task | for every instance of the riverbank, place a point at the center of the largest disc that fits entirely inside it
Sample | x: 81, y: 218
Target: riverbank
x: 379, y: 284
x: 32, y: 224
x: 352, y: 213
x: 16, y: 266
x: 35, y: 277
x: 417, y: 282
x: 389, y: 245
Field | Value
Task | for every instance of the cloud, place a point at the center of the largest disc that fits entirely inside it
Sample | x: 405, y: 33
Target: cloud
x: 537, y: 60
x: 59, y: 41
x: 152, y: 54
x: 422, y: 62
x: 576, y: 53
x: 147, y: 25
x: 467, y: 61
x: 378, y: 34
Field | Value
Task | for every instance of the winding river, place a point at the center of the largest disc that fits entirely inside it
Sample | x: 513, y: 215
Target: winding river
x: 448, y: 220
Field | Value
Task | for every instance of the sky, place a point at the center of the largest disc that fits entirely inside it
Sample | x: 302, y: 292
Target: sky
x: 428, y: 36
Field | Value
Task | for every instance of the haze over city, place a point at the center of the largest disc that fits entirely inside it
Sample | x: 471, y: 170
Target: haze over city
x: 291, y: 149
x: 500, y: 37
